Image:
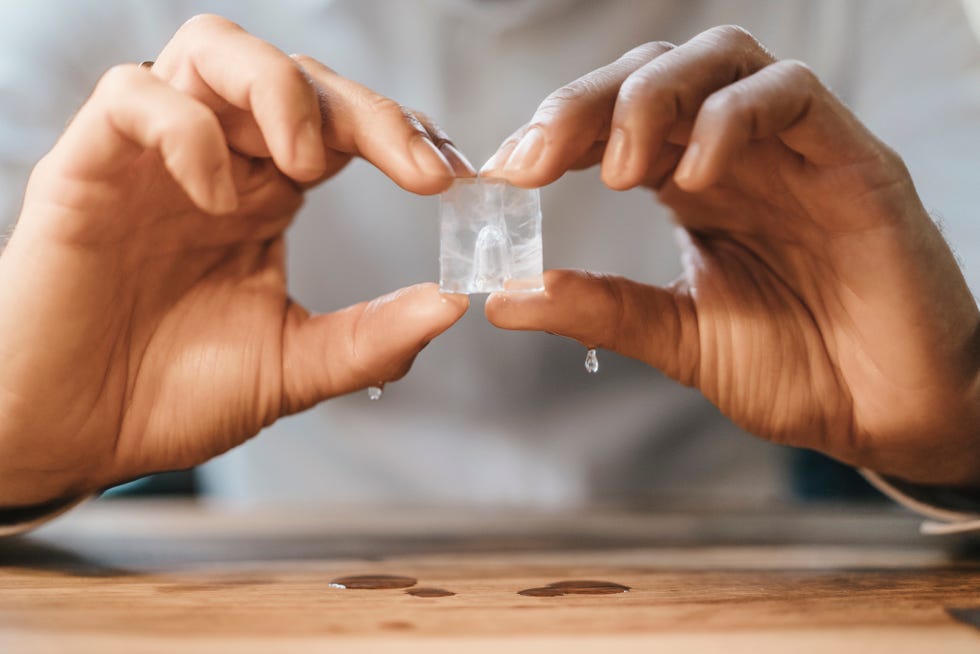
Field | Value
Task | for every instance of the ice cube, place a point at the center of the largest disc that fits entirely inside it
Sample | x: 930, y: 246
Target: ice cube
x: 490, y: 237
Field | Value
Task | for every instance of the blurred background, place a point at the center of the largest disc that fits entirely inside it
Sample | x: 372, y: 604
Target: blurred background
x: 486, y: 417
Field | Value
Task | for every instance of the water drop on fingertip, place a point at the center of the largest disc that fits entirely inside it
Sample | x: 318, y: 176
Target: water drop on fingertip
x: 591, y: 361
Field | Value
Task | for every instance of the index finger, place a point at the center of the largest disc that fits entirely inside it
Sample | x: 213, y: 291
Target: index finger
x: 359, y: 121
x: 568, y: 123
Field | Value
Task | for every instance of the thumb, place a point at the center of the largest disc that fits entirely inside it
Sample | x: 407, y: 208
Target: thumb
x: 655, y: 325
x: 363, y: 345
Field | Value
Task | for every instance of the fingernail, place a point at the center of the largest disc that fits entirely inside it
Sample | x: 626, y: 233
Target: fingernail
x: 460, y: 164
x: 688, y: 168
x: 308, y: 149
x: 527, y: 152
x: 498, y: 159
x: 428, y: 159
x: 617, y: 150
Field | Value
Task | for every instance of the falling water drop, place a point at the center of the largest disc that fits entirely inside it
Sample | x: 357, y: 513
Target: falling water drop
x: 591, y: 361
x: 375, y: 393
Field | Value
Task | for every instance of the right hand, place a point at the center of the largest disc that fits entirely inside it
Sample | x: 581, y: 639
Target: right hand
x: 145, y: 323
x: 819, y: 306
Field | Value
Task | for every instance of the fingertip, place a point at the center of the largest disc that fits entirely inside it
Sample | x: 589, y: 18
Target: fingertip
x: 434, y: 173
x: 309, y: 158
x: 512, y: 309
x: 615, y: 180
x: 615, y: 160
x: 625, y: 166
x: 430, y: 306
x: 494, y: 165
x: 694, y: 173
x: 457, y: 301
x: 223, y: 192
x: 496, y: 309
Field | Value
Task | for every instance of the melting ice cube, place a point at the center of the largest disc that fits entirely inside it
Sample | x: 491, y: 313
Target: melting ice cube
x: 490, y: 237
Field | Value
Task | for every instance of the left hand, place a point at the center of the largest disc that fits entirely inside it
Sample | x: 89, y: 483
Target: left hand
x: 145, y: 319
x: 819, y: 305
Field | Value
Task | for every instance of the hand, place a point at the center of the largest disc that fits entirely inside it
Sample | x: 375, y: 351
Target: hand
x: 144, y: 318
x: 819, y: 306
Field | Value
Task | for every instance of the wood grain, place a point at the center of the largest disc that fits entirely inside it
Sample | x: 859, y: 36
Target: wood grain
x: 143, y: 577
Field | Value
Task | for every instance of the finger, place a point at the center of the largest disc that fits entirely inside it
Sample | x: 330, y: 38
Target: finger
x: 667, y: 92
x: 131, y: 111
x: 652, y: 324
x: 785, y: 99
x: 567, y: 124
x: 358, y: 121
x: 222, y: 65
x: 363, y: 345
x: 457, y: 160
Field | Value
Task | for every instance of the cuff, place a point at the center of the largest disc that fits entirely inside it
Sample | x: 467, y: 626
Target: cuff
x: 949, y: 511
x: 23, y: 519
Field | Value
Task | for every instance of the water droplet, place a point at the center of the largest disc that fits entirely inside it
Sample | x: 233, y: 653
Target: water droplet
x: 577, y: 587
x: 375, y: 393
x: 544, y: 591
x: 591, y: 361
x: 589, y: 587
x: 429, y: 592
x: 373, y: 582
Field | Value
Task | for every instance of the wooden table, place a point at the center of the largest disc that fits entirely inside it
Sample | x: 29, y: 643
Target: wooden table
x: 126, y: 576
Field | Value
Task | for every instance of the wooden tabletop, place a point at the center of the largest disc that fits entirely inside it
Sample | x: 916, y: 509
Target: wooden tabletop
x: 127, y: 576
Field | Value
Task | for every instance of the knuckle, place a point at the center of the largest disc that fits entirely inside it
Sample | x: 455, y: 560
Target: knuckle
x: 303, y: 59
x: 117, y: 79
x: 735, y: 34
x: 649, y: 50
x: 799, y: 72
x: 583, y: 87
x: 568, y: 97
x: 204, y: 22
x: 411, y: 119
x: 285, y: 72
x: 727, y: 100
x: 641, y: 88
x: 311, y: 66
x: 893, y: 160
x: 385, y: 108
x: 436, y: 132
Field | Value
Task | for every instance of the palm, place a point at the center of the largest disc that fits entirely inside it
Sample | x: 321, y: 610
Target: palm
x: 185, y: 359
x: 783, y: 252
x: 152, y: 327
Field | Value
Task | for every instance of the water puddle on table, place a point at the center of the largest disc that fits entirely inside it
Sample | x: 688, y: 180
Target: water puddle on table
x: 576, y: 587
x: 429, y: 592
x: 373, y: 582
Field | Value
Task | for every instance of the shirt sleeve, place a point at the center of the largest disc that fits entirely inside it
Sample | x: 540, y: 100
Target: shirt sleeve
x: 948, y: 510
x: 23, y: 519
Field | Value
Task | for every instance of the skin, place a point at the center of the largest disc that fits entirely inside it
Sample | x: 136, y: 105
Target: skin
x: 147, y: 323
x: 819, y: 305
x: 151, y: 329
